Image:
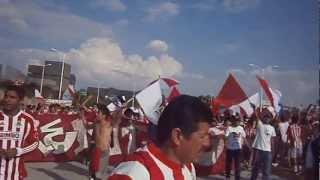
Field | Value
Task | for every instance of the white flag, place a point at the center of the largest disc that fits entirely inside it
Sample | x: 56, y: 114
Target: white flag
x: 276, y: 94
x: 150, y: 100
x: 37, y: 94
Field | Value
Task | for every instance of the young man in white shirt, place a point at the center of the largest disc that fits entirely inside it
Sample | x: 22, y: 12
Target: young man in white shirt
x: 263, y: 145
x: 235, y: 135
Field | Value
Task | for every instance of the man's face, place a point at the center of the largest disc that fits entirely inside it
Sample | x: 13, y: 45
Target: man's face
x: 11, y: 101
x: 191, y: 147
x: 266, y: 117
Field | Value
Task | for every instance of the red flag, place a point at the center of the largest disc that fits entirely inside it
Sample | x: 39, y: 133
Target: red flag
x: 174, y: 93
x: 170, y: 82
x: 71, y: 90
x: 230, y: 94
x: 265, y: 86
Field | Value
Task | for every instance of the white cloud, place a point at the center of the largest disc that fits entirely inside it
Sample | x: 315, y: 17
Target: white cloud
x: 112, y: 5
x: 103, y: 60
x: 162, y: 11
x: 158, y: 46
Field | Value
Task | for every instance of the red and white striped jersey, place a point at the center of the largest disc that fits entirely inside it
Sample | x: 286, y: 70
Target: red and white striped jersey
x: 250, y: 131
x: 149, y: 163
x: 16, y: 132
x: 294, y: 135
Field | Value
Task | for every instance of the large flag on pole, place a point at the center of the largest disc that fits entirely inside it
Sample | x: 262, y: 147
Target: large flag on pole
x: 69, y: 93
x: 71, y: 90
x: 230, y: 94
x: 150, y: 100
x: 274, y: 96
x: 174, y: 93
x: 170, y: 82
x: 265, y: 86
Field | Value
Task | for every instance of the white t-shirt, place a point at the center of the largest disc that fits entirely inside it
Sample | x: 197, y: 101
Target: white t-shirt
x: 283, y: 127
x: 264, y: 134
x: 214, y: 131
x: 235, y: 137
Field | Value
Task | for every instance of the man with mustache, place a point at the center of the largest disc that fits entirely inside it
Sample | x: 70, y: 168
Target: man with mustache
x: 182, y: 134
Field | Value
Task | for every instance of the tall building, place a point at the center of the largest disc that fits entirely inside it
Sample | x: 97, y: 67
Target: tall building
x: 51, y: 78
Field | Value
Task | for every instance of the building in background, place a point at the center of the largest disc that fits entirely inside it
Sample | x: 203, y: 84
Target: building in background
x: 107, y: 92
x: 52, y: 77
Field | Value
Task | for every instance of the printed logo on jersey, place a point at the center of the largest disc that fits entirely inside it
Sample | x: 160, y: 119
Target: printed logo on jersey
x: 1, y: 123
x: 9, y: 135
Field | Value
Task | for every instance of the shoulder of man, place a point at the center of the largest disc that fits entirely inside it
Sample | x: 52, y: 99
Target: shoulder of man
x: 27, y: 116
x: 134, y: 168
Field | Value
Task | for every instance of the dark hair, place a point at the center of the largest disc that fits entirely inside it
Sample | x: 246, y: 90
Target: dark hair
x: 183, y: 112
x: 295, y: 118
x: 103, y: 109
x: 18, y: 89
x: 128, y: 112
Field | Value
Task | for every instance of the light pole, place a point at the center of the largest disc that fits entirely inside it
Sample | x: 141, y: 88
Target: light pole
x: 62, y: 69
x: 98, y: 94
x: 98, y: 91
x: 262, y: 76
x: 42, y: 77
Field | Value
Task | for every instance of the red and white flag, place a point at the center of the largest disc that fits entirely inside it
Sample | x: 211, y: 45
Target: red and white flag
x: 173, y: 94
x: 150, y: 100
x: 273, y: 95
x: 37, y: 94
x: 170, y: 81
x: 230, y: 94
x: 71, y: 90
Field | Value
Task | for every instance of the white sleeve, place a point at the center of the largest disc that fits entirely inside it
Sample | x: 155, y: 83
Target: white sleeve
x: 273, y: 132
x: 227, y: 132
x: 243, y: 133
x: 134, y: 169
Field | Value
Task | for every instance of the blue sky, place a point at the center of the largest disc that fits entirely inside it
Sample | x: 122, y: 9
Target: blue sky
x: 117, y: 42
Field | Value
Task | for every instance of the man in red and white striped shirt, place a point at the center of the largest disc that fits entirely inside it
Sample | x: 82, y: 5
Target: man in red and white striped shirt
x: 295, y: 142
x: 182, y: 135
x: 18, y: 135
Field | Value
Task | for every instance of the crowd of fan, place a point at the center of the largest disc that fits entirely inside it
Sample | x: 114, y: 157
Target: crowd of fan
x: 296, y: 130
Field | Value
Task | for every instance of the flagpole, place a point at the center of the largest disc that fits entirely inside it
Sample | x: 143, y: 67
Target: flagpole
x: 134, y: 93
x: 98, y: 94
x: 261, y: 90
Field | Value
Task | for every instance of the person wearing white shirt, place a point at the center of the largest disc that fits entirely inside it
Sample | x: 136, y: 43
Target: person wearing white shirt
x: 262, y: 145
x: 235, y: 136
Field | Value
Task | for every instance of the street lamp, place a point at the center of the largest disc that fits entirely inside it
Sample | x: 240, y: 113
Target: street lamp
x: 62, y: 69
x: 42, y: 77
x: 98, y: 94
x: 262, y: 75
